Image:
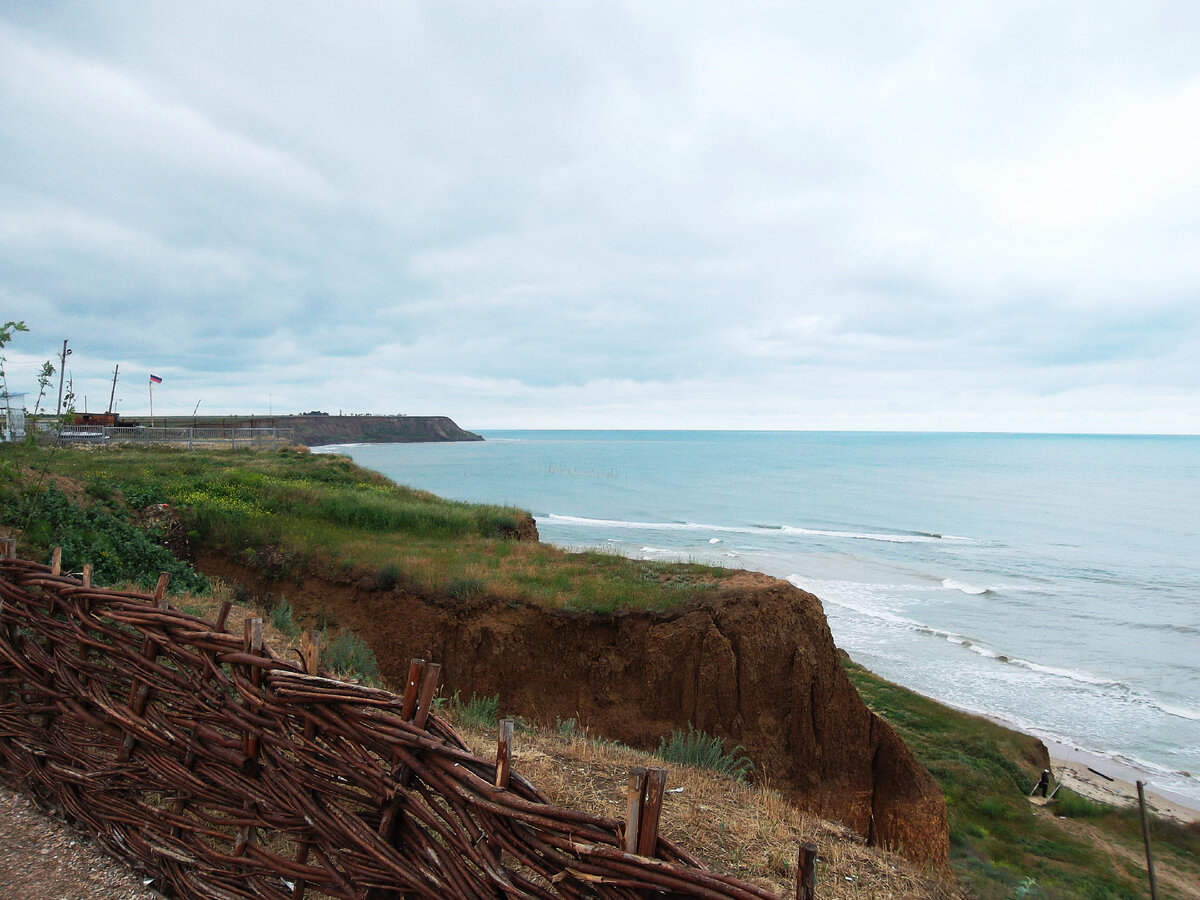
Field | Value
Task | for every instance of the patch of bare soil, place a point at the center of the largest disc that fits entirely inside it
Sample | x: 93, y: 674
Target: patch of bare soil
x: 43, y: 858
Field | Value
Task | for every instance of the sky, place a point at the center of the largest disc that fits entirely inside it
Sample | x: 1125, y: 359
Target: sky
x: 965, y: 216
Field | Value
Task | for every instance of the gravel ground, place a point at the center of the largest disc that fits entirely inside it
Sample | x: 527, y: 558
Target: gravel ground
x: 44, y: 858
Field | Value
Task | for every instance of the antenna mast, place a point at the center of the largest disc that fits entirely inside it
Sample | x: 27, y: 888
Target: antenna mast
x: 114, y: 388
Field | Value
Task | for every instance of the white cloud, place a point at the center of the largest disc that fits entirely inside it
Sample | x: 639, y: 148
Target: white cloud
x: 933, y: 215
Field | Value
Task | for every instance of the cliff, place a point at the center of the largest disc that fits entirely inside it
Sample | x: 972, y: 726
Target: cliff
x: 754, y: 663
x: 317, y: 430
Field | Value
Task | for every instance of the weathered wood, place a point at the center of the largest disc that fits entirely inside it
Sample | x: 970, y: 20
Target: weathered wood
x: 412, y: 689
x: 160, y: 589
x: 310, y: 652
x: 87, y: 575
x: 656, y: 785
x: 1141, y: 789
x: 806, y: 872
x: 504, y: 753
x: 633, y: 809
x: 429, y: 685
x: 56, y: 561
x: 237, y: 746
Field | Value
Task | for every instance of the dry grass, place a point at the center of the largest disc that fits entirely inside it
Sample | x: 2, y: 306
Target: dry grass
x: 751, y: 832
x: 747, y: 831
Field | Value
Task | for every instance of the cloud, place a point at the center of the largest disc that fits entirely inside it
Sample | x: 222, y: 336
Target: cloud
x: 935, y: 215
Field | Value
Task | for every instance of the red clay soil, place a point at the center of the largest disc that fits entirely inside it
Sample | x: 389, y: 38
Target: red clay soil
x: 755, y: 664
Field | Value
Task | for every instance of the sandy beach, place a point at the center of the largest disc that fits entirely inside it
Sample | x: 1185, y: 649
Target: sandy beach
x: 1109, y: 781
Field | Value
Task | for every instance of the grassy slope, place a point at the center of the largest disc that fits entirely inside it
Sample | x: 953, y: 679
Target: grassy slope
x: 294, y: 511
x: 1000, y: 844
x: 289, y: 511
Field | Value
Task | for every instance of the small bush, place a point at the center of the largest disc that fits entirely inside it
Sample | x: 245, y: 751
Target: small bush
x: 702, y: 751
x: 464, y: 588
x: 282, y: 617
x: 388, y: 577
x: 349, y: 656
x: 478, y: 711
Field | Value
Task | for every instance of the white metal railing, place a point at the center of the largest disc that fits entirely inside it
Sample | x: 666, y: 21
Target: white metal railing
x: 190, y: 437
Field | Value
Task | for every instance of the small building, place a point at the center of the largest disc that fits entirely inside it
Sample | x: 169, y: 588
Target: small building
x: 108, y: 420
x: 12, y: 417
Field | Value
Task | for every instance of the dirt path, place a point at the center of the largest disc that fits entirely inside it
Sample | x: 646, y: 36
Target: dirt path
x: 43, y: 858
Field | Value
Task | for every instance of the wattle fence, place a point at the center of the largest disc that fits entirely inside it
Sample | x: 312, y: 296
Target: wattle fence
x: 224, y: 771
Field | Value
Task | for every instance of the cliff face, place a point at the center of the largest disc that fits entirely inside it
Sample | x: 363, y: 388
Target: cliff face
x: 755, y: 664
x: 316, y: 430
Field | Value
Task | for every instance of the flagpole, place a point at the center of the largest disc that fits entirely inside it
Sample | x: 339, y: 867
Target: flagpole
x: 151, y: 402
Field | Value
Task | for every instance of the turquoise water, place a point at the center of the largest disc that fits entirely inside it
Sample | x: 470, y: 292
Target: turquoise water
x: 1051, y: 581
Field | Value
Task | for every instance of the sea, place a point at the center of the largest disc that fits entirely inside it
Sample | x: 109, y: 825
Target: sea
x: 1048, y: 581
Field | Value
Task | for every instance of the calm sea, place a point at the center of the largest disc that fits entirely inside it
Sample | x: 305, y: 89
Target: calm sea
x: 1051, y: 581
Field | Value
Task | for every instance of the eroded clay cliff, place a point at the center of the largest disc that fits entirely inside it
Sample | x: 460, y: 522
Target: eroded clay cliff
x: 754, y: 663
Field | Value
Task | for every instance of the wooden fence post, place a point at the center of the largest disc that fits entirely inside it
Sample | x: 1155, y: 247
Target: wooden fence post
x: 412, y: 686
x: 1146, y: 839
x: 633, y: 808
x: 56, y: 561
x: 252, y: 642
x: 806, y: 872
x: 656, y: 786
x: 504, y: 753
x: 645, y: 797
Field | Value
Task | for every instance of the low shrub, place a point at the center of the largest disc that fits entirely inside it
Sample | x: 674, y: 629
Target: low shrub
x: 283, y: 618
x: 388, y: 577
x: 348, y: 655
x: 703, y: 751
x: 478, y: 711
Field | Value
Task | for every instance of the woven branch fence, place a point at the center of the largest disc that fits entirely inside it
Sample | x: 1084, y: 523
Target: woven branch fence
x: 225, y: 771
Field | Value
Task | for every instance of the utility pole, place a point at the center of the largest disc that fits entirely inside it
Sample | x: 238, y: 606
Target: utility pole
x: 62, y: 367
x: 116, y: 368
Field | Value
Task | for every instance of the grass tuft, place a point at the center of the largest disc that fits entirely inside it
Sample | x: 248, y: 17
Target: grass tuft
x: 478, y: 712
x: 703, y: 751
x: 348, y: 655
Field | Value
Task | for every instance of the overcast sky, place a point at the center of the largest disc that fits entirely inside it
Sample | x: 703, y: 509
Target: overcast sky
x: 926, y: 216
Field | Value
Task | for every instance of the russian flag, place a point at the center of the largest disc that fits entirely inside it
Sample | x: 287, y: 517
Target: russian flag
x: 154, y: 379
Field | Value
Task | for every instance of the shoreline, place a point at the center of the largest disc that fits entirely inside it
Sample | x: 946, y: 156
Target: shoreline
x: 1115, y: 783
x: 1103, y: 779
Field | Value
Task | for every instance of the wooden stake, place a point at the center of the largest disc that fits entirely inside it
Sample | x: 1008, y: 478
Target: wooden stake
x: 1146, y: 838
x: 56, y: 561
x: 412, y: 688
x: 310, y: 652
x: 87, y: 575
x: 160, y: 589
x: 226, y: 606
x: 806, y: 872
x: 633, y: 809
x: 504, y: 753
x: 656, y: 786
x: 429, y: 685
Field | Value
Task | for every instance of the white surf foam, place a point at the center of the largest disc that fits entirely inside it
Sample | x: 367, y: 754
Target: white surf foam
x: 886, y: 537
x: 956, y: 585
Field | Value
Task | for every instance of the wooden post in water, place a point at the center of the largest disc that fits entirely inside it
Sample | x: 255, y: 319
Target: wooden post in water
x: 1146, y: 839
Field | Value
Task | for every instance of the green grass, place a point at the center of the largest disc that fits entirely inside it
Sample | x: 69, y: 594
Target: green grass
x: 289, y: 514
x: 999, y: 848
x: 348, y: 656
x: 703, y: 751
x: 478, y: 712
